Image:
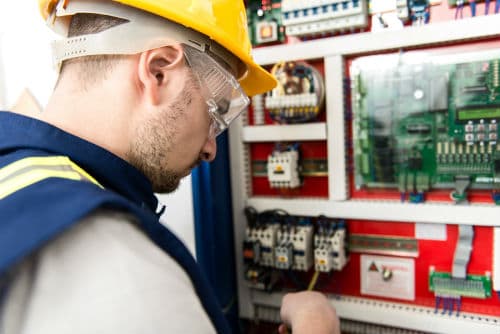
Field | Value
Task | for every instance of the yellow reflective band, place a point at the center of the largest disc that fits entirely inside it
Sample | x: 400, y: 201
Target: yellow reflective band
x: 27, y: 171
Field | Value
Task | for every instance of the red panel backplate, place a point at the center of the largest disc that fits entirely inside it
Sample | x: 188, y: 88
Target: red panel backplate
x: 312, y: 186
x: 431, y: 253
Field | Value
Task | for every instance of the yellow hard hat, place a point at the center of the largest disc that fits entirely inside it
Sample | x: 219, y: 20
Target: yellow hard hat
x: 223, y: 21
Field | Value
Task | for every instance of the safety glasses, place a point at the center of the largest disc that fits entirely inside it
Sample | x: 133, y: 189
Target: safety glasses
x: 224, y: 97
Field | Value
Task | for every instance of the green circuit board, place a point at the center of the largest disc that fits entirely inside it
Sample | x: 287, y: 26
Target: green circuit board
x: 474, y: 286
x: 452, y: 3
x: 431, y: 123
x: 265, y: 21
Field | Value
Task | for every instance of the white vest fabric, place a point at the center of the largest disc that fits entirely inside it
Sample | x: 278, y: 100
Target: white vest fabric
x: 104, y: 275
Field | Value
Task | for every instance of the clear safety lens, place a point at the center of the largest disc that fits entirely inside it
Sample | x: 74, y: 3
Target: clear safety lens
x: 224, y: 97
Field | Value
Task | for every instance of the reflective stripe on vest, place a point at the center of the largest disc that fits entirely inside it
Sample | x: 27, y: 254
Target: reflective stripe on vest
x: 25, y: 172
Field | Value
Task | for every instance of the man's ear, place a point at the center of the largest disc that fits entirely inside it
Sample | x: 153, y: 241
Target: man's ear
x: 154, y: 67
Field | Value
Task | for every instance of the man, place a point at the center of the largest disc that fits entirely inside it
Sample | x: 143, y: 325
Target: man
x: 145, y: 87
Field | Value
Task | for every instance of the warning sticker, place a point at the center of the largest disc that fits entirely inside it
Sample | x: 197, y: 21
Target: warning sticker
x: 373, y: 267
x: 390, y: 277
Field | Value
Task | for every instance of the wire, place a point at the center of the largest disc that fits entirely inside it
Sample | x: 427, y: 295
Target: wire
x: 251, y: 214
x: 314, y: 279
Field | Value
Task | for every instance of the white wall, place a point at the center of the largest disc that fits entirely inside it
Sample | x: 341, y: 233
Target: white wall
x: 179, y: 214
x: 2, y: 75
x: 25, y: 51
x: 25, y: 58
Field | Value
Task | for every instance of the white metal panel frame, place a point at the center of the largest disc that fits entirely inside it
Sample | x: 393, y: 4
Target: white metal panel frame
x: 496, y: 259
x: 295, y: 132
x: 335, y: 107
x: 442, y: 213
x: 239, y: 188
x: 2, y: 77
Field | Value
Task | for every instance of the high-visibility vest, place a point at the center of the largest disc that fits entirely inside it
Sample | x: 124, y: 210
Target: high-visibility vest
x: 41, y: 197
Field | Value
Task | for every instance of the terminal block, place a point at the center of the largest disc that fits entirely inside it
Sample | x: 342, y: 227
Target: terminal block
x: 260, y: 243
x: 305, y: 17
x: 251, y: 252
x: 299, y: 95
x: 400, y: 7
x: 388, y: 14
x: 260, y: 278
x: 283, y: 169
x: 330, y: 248
x: 419, y: 11
x: 303, y: 100
x: 449, y: 290
x: 284, y: 255
x: 295, y: 247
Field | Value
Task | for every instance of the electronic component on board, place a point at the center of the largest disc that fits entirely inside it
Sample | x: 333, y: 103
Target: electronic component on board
x: 420, y: 13
x: 330, y: 246
x: 388, y: 14
x: 305, y: 18
x: 259, y: 249
x: 283, y: 168
x: 451, y: 287
x: 299, y: 95
x: 264, y: 20
x: 449, y: 291
x: 294, y: 250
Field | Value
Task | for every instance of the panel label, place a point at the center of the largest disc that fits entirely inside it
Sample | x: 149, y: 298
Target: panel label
x: 425, y: 231
x: 388, y: 277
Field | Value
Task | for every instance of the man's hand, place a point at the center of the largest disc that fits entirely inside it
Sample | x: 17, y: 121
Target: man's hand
x: 308, y: 312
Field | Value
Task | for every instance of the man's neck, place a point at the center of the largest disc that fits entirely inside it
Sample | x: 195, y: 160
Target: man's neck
x: 93, y: 114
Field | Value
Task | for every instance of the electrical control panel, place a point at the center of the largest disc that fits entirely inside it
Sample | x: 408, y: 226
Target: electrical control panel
x: 395, y: 200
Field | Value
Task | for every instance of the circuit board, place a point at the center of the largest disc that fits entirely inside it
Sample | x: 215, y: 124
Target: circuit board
x: 265, y: 21
x: 426, y: 124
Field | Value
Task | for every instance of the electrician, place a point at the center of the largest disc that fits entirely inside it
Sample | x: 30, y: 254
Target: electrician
x: 145, y: 86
